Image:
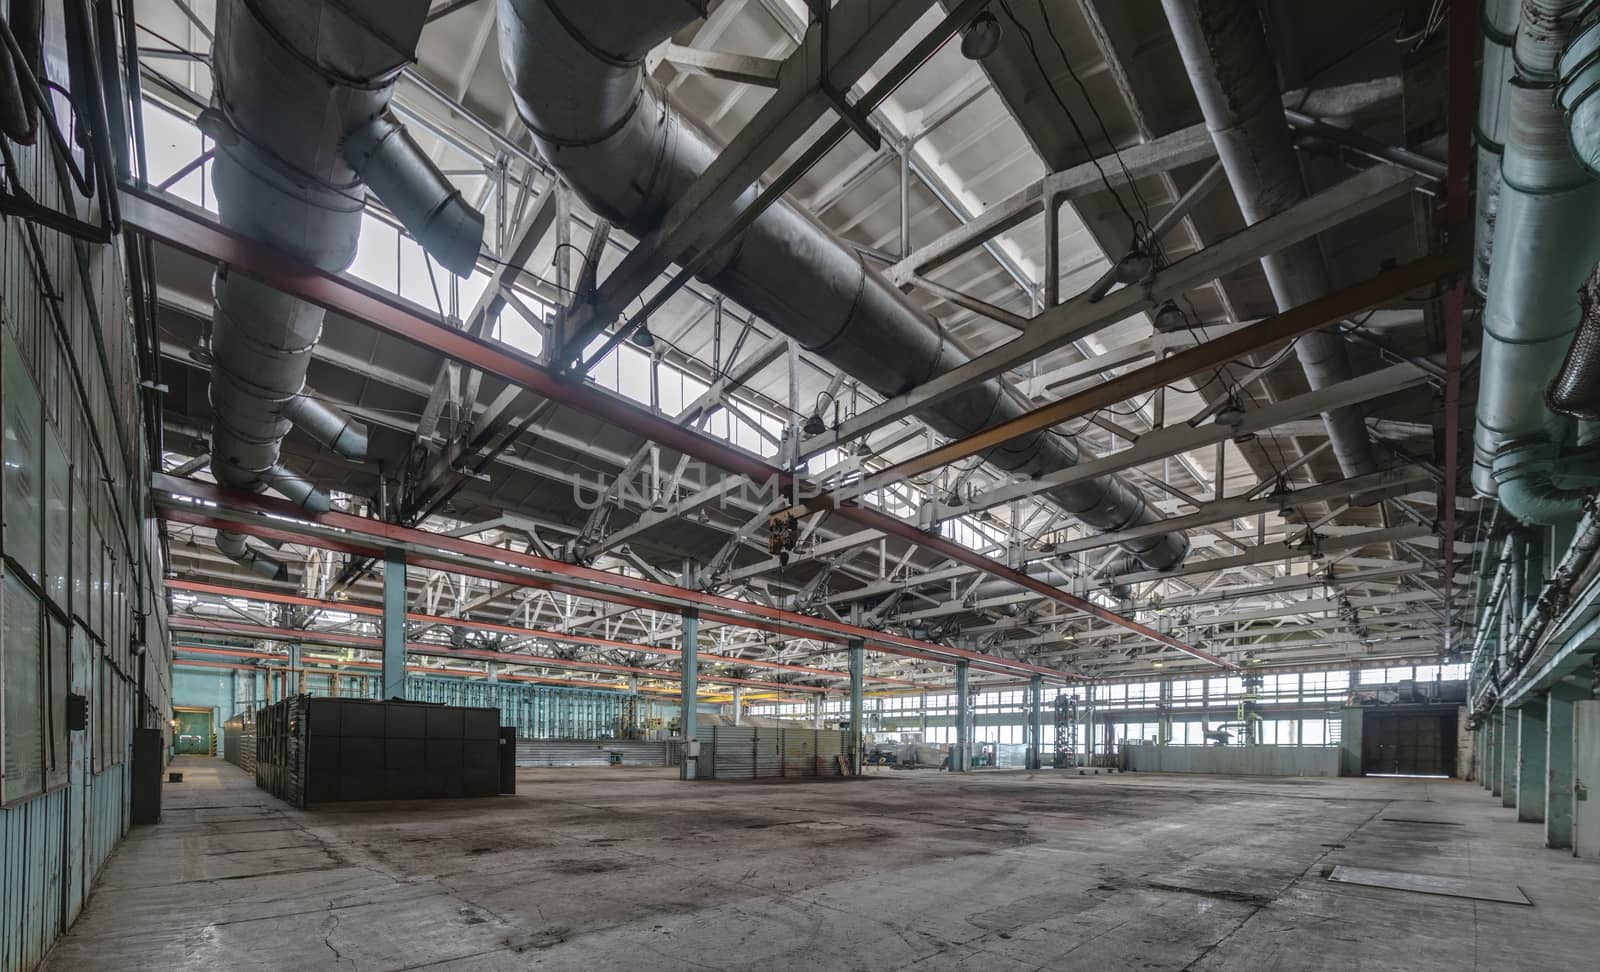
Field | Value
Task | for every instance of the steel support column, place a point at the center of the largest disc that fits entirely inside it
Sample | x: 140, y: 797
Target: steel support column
x: 1492, y: 760
x: 1558, y: 795
x: 394, y: 625
x: 858, y: 658
x: 1508, y: 758
x: 961, y: 759
x: 1035, y: 722
x: 1531, y: 756
x: 688, y: 693
x: 297, y: 670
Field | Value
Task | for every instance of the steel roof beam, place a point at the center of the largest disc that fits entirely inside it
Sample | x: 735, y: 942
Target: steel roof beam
x: 1289, y: 325
x: 1081, y: 316
x: 205, y: 504
x: 174, y: 225
x: 532, y: 634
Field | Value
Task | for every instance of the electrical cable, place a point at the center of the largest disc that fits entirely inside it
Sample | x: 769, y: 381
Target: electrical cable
x: 1033, y: 53
x: 177, y: 48
x: 1133, y: 185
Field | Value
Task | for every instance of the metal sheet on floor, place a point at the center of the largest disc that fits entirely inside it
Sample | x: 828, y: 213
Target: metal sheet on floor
x: 1431, y: 884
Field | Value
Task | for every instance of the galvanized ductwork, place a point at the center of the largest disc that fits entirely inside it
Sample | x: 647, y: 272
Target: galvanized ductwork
x: 1499, y: 24
x: 1224, y: 49
x: 1545, y: 243
x: 394, y: 167
x: 577, y: 74
x: 1575, y: 390
x: 294, y: 81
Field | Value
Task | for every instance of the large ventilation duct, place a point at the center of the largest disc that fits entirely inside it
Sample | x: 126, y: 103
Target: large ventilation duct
x: 294, y: 80
x: 1575, y: 390
x: 1499, y: 24
x: 1224, y: 49
x: 1545, y: 243
x: 577, y: 75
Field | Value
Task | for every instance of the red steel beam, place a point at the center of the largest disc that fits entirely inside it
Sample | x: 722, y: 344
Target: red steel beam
x: 367, y: 643
x: 167, y: 222
x: 276, y: 519
x: 372, y: 610
x: 422, y: 669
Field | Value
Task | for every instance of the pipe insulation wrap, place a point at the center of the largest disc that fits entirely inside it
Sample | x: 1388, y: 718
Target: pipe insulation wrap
x: 1579, y: 93
x: 1499, y: 33
x: 394, y: 166
x: 1575, y: 390
x: 1224, y: 49
x: 577, y: 76
x: 1545, y: 244
x: 238, y: 549
x: 291, y: 79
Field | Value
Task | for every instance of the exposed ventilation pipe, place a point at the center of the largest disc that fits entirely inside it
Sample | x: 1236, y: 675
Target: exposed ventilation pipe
x: 1224, y: 48
x: 1499, y: 24
x: 577, y: 74
x: 1545, y: 242
x: 298, y: 86
x: 237, y: 548
x: 392, y: 165
x: 1575, y: 390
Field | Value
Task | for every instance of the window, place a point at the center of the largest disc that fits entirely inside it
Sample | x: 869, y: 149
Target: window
x: 1316, y: 732
x: 1188, y: 734
x: 21, y: 671
x: 1278, y: 732
x: 172, y: 142
x: 1280, y: 686
x: 1189, y: 693
x: 23, y: 479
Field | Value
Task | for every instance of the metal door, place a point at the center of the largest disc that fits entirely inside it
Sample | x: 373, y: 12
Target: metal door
x: 193, y: 732
x: 1407, y: 743
x: 1586, y: 779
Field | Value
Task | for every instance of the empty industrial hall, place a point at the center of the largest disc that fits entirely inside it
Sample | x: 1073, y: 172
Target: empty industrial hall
x: 881, y: 485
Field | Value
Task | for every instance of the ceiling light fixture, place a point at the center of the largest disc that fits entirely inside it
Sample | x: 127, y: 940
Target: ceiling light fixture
x: 980, y: 38
x: 641, y: 337
x: 1169, y: 317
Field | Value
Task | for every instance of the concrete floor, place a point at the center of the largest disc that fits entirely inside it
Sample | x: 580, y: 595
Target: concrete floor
x: 613, y: 868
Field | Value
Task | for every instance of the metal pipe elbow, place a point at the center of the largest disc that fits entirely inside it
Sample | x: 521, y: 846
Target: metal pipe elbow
x: 395, y: 168
x: 236, y: 548
x: 1524, y: 476
x: 327, y: 425
x: 297, y: 489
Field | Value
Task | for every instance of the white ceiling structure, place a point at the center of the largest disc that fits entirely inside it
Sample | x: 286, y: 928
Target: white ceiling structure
x: 1285, y: 567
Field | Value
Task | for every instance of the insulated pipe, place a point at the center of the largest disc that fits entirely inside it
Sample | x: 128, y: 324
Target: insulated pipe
x: 16, y: 121
x: 19, y: 118
x: 1575, y: 390
x: 1224, y: 49
x: 291, y: 78
x: 1571, y: 575
x: 576, y: 72
x: 1499, y: 23
x: 239, y: 550
x: 1545, y: 243
x: 394, y: 166
x: 327, y: 425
